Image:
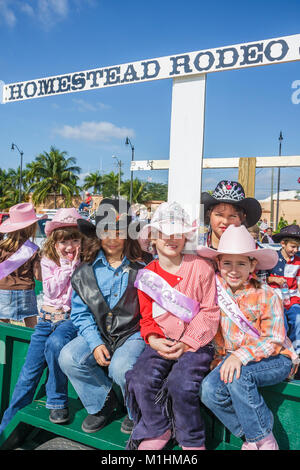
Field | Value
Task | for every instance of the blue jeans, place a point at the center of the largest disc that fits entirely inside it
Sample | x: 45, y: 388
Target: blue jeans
x: 17, y: 304
x: 292, y: 324
x: 44, y: 348
x: 91, y: 381
x: 239, y: 405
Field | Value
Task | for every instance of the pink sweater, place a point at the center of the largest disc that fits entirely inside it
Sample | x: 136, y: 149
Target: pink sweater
x: 57, y: 287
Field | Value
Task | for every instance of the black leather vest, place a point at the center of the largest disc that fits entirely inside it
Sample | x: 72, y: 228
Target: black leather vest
x: 117, y: 324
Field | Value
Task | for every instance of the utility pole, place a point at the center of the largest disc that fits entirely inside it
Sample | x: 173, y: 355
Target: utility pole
x: 119, y: 163
x: 272, y: 201
x: 128, y: 142
x: 278, y: 180
x: 13, y: 146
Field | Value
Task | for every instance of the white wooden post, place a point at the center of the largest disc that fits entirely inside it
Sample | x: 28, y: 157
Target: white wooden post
x: 186, y: 142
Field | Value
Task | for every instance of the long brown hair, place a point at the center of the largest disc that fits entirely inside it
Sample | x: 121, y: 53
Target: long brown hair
x: 59, y: 235
x: 15, y: 239
x: 132, y: 250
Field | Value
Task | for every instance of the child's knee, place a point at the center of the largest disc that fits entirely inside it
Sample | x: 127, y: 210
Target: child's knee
x: 206, y: 392
x: 54, y: 344
x: 66, y: 359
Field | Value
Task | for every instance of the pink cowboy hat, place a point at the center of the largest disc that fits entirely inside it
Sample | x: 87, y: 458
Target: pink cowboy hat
x: 66, y: 217
x: 20, y: 216
x: 238, y: 241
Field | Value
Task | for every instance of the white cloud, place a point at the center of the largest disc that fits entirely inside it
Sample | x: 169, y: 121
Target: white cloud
x: 86, y: 106
x: 27, y: 9
x: 46, y: 12
x: 50, y: 12
x: 95, y: 131
x: 7, y: 13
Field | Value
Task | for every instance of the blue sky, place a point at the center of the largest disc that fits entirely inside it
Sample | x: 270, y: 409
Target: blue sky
x: 245, y: 109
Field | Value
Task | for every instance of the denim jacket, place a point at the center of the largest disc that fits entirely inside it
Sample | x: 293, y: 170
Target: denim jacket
x: 112, y: 283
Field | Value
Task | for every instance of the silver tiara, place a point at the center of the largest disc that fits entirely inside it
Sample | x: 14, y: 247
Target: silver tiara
x: 229, y: 190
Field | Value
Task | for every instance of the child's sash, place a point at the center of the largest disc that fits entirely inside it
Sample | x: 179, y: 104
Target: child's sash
x: 23, y: 254
x: 166, y: 296
x: 229, y: 306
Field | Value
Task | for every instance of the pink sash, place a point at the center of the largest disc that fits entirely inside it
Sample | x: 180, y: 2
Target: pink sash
x: 166, y: 296
x: 23, y: 254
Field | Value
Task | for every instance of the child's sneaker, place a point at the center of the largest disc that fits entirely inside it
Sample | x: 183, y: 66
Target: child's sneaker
x: 127, y: 425
x: 59, y: 416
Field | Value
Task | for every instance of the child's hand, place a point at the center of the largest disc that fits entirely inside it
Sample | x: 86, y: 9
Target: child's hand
x: 175, y: 351
x: 77, y: 255
x: 279, y: 280
x: 161, y: 345
x: 231, y: 365
x: 101, y: 355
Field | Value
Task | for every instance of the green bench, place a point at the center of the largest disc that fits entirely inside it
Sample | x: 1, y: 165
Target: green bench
x: 283, y: 399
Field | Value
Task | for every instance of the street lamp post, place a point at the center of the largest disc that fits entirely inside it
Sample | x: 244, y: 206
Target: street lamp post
x: 278, y: 181
x: 119, y: 163
x: 13, y: 146
x: 127, y: 142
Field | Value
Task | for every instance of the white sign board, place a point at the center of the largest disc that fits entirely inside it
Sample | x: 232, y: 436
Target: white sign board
x: 270, y: 51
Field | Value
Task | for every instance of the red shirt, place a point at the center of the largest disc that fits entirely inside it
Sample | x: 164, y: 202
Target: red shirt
x: 196, y: 279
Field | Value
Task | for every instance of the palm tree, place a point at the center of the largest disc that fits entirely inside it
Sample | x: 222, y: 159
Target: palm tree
x: 110, y: 184
x: 139, y: 190
x: 93, y: 180
x: 10, y: 187
x: 55, y: 174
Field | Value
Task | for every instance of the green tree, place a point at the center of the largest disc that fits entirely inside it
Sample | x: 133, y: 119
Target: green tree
x: 139, y: 190
x: 110, y: 184
x: 282, y: 223
x: 157, y: 191
x: 55, y: 174
x: 94, y: 181
x: 10, y: 187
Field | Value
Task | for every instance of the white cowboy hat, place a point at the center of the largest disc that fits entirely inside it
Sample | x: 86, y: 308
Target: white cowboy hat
x: 169, y: 219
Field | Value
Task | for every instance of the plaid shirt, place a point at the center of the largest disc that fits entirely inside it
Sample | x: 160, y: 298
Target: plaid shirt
x: 263, y: 309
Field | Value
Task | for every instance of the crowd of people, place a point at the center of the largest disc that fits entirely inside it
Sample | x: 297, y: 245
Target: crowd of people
x: 167, y: 324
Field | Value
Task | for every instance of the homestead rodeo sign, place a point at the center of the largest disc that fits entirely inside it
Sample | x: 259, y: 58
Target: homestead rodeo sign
x: 266, y: 52
x: 188, y: 72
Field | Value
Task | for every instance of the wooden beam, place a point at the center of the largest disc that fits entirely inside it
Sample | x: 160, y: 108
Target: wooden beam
x: 261, y: 162
x: 247, y: 175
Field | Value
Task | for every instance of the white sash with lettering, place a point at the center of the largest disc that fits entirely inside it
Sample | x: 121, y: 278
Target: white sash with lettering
x: 229, y: 306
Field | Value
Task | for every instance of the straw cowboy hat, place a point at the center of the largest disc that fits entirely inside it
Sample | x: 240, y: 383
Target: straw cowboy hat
x: 232, y: 192
x: 20, y: 216
x: 112, y: 214
x: 291, y: 231
x: 66, y: 217
x: 169, y: 219
x: 238, y: 241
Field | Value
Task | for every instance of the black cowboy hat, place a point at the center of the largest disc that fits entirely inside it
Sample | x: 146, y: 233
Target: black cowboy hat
x: 232, y: 192
x: 290, y: 231
x: 112, y: 214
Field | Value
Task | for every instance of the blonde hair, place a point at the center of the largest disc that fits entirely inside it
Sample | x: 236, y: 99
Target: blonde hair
x: 59, y: 235
x: 14, y: 239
